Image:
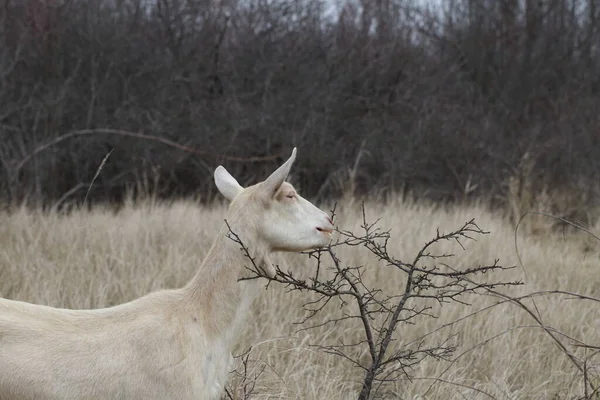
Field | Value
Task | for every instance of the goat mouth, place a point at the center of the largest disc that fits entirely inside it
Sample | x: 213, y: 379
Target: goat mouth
x: 326, y: 231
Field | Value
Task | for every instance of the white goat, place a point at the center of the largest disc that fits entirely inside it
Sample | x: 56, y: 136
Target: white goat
x: 170, y: 344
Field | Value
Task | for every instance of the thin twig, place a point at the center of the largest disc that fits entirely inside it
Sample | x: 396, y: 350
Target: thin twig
x: 136, y: 135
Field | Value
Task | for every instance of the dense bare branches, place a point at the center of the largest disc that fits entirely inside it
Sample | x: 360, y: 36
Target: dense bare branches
x: 443, y: 101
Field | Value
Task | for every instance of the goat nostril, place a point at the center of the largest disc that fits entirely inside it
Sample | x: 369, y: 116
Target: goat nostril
x: 330, y: 220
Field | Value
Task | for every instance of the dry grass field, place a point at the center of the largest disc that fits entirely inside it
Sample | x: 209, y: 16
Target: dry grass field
x: 99, y: 258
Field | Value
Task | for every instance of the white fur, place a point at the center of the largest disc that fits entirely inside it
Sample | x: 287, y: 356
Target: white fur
x: 170, y: 344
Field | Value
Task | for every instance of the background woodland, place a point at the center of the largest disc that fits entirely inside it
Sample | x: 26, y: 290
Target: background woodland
x: 452, y: 100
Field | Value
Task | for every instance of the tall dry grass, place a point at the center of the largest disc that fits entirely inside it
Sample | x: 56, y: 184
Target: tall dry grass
x: 100, y: 258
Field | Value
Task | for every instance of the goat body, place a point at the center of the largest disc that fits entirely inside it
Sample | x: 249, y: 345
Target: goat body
x: 145, y: 349
x: 170, y: 344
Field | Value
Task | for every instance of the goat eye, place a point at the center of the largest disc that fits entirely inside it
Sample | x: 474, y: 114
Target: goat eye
x: 291, y: 196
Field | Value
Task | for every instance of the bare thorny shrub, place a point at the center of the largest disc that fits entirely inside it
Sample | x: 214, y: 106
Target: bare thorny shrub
x: 429, y: 279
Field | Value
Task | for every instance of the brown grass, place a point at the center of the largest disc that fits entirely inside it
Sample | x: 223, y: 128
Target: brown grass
x: 98, y: 258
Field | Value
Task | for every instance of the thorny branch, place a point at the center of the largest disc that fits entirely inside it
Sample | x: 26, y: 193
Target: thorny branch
x: 245, y: 388
x: 135, y: 135
x: 380, y: 312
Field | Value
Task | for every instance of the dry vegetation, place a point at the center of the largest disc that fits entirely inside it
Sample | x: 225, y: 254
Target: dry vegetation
x: 100, y: 258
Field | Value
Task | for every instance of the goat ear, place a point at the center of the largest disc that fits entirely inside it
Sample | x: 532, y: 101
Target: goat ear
x: 272, y: 184
x: 226, y: 183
